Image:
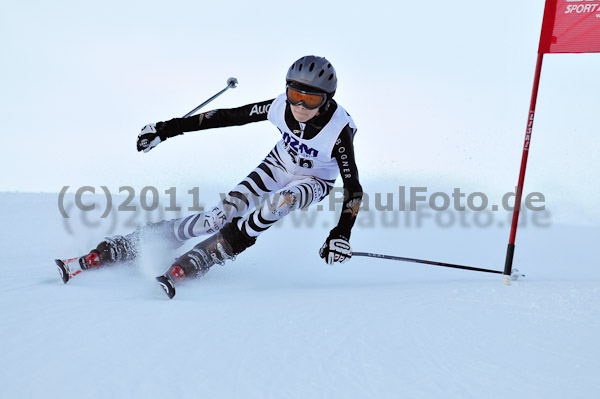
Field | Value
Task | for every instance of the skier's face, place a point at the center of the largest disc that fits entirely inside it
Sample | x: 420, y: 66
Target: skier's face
x: 302, y: 114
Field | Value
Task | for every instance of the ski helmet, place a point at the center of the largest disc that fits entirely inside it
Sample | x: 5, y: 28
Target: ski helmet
x: 315, y: 72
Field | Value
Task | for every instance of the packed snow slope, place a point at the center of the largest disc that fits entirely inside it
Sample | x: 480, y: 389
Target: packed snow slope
x: 279, y: 323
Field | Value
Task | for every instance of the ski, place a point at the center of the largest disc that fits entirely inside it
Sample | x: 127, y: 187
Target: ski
x: 167, y: 284
x: 68, y: 268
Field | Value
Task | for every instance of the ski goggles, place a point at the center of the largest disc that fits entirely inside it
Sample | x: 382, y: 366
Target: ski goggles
x: 306, y: 98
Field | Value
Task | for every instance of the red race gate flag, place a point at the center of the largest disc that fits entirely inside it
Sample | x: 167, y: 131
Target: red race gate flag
x: 571, y: 26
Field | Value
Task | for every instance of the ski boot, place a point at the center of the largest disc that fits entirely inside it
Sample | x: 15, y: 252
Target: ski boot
x: 71, y: 267
x: 110, y: 251
x: 116, y: 249
x: 224, y: 245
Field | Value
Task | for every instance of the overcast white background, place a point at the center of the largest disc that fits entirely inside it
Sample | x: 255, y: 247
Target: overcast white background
x: 439, y: 90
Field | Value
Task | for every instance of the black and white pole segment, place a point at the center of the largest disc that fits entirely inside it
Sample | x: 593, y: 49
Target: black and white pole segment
x: 231, y: 84
x: 428, y: 262
x: 514, y: 275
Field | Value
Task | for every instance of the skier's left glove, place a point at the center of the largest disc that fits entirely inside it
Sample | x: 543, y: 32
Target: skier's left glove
x: 336, y: 249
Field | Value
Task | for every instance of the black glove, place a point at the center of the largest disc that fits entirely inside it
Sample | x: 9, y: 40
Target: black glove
x: 155, y: 133
x: 148, y: 138
x: 336, y: 249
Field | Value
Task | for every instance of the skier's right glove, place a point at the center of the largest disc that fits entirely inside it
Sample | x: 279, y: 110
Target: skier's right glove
x: 155, y: 133
x: 148, y: 138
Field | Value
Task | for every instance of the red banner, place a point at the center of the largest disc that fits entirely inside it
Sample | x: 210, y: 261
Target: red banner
x: 571, y: 26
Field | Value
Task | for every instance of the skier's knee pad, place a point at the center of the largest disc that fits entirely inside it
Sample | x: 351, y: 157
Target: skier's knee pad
x: 288, y: 199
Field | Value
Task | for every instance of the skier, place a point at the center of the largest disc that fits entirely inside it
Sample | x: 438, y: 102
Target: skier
x: 316, y: 145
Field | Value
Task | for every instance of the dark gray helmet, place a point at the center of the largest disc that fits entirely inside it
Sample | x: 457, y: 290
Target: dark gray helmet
x: 315, y: 72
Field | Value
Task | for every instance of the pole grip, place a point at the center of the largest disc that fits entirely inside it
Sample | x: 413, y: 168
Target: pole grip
x: 231, y: 84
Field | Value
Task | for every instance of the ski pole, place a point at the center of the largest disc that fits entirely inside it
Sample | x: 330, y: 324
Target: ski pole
x: 231, y: 83
x: 514, y: 275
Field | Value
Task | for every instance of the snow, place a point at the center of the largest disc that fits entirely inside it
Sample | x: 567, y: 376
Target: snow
x: 445, y: 108
x: 279, y: 323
